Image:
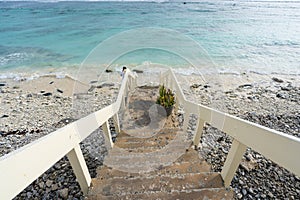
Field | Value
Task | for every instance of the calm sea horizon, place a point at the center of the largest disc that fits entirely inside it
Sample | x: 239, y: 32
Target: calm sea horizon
x: 238, y: 36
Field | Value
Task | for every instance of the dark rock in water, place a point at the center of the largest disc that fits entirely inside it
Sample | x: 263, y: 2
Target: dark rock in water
x: 108, y: 71
x: 2, y: 84
x: 59, y: 90
x: 47, y: 94
x: 138, y: 71
x: 4, y: 116
x: 42, y: 91
x: 277, y: 80
x: 51, y: 82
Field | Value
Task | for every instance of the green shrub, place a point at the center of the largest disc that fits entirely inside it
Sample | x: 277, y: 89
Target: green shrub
x: 166, y: 97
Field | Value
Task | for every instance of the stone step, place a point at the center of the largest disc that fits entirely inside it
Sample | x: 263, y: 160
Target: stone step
x: 182, y: 168
x: 122, y: 186
x: 165, y: 132
x: 151, y: 147
x: 202, y: 194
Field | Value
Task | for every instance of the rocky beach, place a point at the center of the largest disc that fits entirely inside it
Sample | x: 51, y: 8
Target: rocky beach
x: 31, y: 109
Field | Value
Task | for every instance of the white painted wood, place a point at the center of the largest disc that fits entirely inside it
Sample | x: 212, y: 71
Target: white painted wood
x: 232, y: 162
x: 199, y: 131
x: 108, y: 140
x: 80, y: 169
x: 117, y: 123
x: 21, y: 167
x: 26, y: 164
x: 186, y: 117
x: 279, y: 147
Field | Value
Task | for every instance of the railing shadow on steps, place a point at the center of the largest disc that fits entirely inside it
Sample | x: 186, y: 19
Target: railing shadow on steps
x: 281, y: 148
x: 21, y: 167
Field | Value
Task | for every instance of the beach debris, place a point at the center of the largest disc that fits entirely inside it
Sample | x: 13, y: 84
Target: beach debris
x: 206, y: 86
x: 101, y: 86
x: 138, y: 71
x: 47, y: 94
x: 195, y: 85
x: 51, y: 82
x: 108, y: 71
x: 286, y: 88
x: 246, y: 86
x: 59, y: 90
x: 282, y: 95
x: 2, y: 84
x: 93, y: 82
x: 278, y: 80
x: 4, y: 116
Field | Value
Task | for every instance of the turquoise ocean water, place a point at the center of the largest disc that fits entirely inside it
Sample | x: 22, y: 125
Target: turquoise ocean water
x: 259, y: 36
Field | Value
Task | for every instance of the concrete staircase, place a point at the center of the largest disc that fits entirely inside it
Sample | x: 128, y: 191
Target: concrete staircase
x: 158, y: 166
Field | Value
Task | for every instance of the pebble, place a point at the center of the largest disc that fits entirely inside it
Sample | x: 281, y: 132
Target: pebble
x: 59, y: 90
x: 64, y: 193
x: 239, y: 195
x: 278, y: 80
x: 47, y: 94
x: 49, y: 183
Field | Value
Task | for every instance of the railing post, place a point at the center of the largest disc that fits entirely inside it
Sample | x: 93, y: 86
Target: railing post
x: 116, y: 122
x: 107, y: 134
x: 123, y: 104
x: 199, y: 130
x: 80, y: 169
x: 232, y: 162
x: 186, y: 119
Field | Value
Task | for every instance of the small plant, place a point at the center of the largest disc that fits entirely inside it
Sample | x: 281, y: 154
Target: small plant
x: 166, y: 97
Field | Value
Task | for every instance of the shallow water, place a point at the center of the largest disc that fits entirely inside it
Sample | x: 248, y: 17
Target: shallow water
x: 238, y: 36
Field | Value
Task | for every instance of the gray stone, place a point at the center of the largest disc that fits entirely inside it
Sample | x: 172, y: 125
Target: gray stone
x: 42, y: 185
x: 47, y: 94
x: 54, y: 187
x: 49, y: 183
x: 277, y: 80
x: 239, y: 196
x: 59, y: 90
x: 64, y: 193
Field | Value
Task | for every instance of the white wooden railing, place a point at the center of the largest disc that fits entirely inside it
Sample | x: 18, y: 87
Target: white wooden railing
x: 279, y: 147
x: 20, y: 168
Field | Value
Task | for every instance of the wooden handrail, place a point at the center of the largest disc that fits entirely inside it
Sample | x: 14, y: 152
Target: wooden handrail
x: 21, y: 167
x: 277, y: 146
